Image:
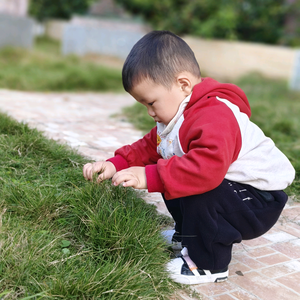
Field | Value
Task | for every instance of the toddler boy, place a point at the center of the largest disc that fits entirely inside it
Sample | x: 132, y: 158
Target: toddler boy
x: 220, y: 176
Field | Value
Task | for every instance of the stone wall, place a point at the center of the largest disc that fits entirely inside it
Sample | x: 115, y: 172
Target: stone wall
x: 101, y: 36
x: 55, y: 29
x: 295, y: 79
x: 16, y: 31
x: 225, y: 59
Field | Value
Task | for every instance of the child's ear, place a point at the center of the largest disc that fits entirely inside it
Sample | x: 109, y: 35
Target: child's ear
x: 185, y: 84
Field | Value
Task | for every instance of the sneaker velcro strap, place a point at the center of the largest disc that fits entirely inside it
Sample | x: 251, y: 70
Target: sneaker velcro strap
x: 186, y: 270
x: 190, y: 263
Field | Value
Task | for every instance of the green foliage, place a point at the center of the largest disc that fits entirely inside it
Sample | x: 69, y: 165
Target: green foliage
x: 255, y: 20
x: 58, y: 9
x: 262, y: 20
x: 63, y: 237
x: 275, y: 110
x: 45, y: 69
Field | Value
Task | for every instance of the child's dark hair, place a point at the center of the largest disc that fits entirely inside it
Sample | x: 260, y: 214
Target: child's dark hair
x: 159, y: 56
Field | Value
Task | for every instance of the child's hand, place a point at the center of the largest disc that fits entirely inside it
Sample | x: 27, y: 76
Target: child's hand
x: 106, y: 168
x: 134, y: 177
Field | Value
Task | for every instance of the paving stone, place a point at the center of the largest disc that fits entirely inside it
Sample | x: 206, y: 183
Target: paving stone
x: 290, y: 248
x: 291, y: 228
x: 214, y: 289
x: 237, y: 268
x: 243, y: 295
x: 281, y: 269
x: 248, y: 261
x: 291, y: 281
x: 260, y: 241
x: 261, y: 251
x: 223, y: 297
x: 279, y: 237
x: 273, y: 259
x: 263, y: 288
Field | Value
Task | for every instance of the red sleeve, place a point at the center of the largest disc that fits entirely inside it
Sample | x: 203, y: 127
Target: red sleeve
x: 211, y: 139
x: 141, y: 153
x: 154, y: 182
x: 119, y: 162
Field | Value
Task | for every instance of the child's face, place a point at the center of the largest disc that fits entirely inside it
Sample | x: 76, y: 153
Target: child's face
x: 162, y: 103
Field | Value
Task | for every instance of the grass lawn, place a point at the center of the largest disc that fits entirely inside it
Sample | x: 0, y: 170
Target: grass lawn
x: 275, y: 109
x: 65, y: 238
x: 45, y: 69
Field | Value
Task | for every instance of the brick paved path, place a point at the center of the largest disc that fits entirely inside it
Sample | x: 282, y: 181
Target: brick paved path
x: 266, y: 268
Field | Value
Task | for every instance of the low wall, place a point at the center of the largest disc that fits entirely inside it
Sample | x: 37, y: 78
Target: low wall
x: 83, y: 36
x: 16, y: 31
x: 55, y: 29
x: 231, y: 60
x: 223, y: 60
x: 295, y: 79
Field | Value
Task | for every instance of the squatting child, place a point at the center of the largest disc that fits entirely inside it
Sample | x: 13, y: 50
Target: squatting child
x: 220, y: 176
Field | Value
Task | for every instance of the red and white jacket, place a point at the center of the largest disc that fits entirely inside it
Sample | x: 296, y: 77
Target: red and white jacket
x: 211, y: 138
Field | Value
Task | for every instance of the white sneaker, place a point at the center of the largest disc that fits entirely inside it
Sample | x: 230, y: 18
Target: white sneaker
x: 183, y: 270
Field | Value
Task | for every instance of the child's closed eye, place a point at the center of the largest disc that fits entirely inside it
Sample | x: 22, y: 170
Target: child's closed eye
x: 151, y: 103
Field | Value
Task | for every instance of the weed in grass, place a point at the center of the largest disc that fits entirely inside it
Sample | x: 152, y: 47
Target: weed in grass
x: 64, y: 237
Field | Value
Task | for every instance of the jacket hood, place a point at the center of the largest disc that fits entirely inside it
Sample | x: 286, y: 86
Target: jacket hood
x: 209, y: 87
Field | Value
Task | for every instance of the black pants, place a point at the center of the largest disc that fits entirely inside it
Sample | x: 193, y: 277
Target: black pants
x: 210, y: 223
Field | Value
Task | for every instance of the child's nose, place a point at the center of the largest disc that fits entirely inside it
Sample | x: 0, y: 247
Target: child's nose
x: 151, y: 113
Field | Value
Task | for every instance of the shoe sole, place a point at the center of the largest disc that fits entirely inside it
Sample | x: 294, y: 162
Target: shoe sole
x: 187, y: 279
x: 222, y: 279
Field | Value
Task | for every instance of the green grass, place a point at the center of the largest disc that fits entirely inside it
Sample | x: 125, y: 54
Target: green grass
x: 62, y: 237
x: 138, y: 116
x: 275, y: 109
x: 45, y: 69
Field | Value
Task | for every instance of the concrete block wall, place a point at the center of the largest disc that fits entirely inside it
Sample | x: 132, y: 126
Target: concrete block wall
x: 231, y: 60
x: 223, y: 60
x: 295, y: 79
x: 99, y: 36
x: 55, y: 29
x: 16, y: 31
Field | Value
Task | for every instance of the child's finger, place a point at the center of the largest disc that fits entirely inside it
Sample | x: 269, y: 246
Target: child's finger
x: 120, y: 177
x: 101, y: 177
x: 86, y: 168
x: 132, y: 182
x: 90, y: 172
x: 89, y: 169
x: 126, y: 179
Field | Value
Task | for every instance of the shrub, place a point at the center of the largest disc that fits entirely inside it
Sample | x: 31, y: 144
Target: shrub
x: 255, y: 20
x: 57, y: 9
